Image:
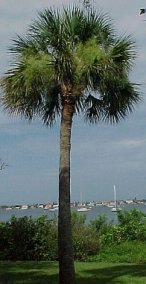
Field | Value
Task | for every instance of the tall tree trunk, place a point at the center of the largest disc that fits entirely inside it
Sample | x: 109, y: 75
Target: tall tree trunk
x: 65, y: 247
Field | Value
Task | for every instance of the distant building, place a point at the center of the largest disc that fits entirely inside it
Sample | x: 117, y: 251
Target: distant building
x: 48, y: 206
x: 41, y: 206
x: 23, y: 207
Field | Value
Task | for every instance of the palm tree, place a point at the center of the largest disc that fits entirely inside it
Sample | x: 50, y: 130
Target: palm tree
x: 69, y: 63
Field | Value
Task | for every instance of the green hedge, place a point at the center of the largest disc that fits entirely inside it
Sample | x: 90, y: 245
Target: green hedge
x: 28, y: 239
x: 37, y: 239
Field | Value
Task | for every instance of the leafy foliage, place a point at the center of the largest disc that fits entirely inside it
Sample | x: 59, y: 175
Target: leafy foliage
x: 28, y: 239
x: 45, y: 239
x: 131, y: 226
x: 85, y: 239
x: 37, y: 239
x: 101, y: 225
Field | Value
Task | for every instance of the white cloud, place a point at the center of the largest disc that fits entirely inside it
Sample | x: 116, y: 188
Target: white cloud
x: 129, y: 143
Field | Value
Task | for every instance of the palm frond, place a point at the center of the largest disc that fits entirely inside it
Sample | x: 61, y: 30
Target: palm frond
x: 25, y: 85
x: 51, y: 106
x: 123, y: 52
x: 120, y: 101
x: 94, y: 109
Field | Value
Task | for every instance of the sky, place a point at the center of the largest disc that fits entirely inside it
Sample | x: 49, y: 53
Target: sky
x: 101, y: 155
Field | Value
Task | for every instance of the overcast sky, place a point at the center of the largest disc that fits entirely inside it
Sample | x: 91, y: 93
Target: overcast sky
x: 102, y: 155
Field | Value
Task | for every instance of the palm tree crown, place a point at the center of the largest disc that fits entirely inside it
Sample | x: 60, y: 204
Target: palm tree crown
x: 73, y: 56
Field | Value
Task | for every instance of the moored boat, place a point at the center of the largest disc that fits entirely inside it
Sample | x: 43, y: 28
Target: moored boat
x: 83, y: 209
x: 115, y: 208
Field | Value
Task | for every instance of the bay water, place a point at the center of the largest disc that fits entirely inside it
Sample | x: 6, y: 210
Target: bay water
x: 96, y: 211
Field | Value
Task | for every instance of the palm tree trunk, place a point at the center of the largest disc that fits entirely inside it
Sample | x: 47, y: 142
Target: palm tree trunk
x: 65, y: 248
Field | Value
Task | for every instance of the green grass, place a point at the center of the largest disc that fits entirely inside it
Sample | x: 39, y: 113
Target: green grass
x: 126, y: 252
x: 87, y: 273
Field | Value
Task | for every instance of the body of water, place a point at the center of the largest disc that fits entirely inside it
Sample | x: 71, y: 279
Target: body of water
x: 5, y: 215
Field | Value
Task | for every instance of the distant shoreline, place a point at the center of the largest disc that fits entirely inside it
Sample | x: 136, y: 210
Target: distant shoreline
x: 74, y: 204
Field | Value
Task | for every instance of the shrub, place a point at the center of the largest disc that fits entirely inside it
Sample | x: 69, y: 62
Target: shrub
x: 28, y: 239
x: 85, y: 239
x: 37, y: 239
x: 101, y: 225
x: 45, y: 239
x: 20, y: 243
x: 132, y: 225
x: 4, y: 237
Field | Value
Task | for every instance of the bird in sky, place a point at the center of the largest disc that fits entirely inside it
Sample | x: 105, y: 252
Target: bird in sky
x: 142, y: 11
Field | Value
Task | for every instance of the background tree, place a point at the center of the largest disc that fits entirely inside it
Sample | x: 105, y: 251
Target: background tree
x: 3, y: 165
x: 70, y: 63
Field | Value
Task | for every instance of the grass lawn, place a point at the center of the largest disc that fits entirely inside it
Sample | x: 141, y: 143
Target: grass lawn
x: 87, y: 273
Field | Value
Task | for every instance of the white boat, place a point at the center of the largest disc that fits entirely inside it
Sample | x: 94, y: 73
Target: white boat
x: 54, y: 207
x: 83, y: 209
x: 115, y: 208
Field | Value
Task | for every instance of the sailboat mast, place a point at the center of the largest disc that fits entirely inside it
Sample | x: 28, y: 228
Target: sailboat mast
x: 81, y: 201
x: 115, y: 197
